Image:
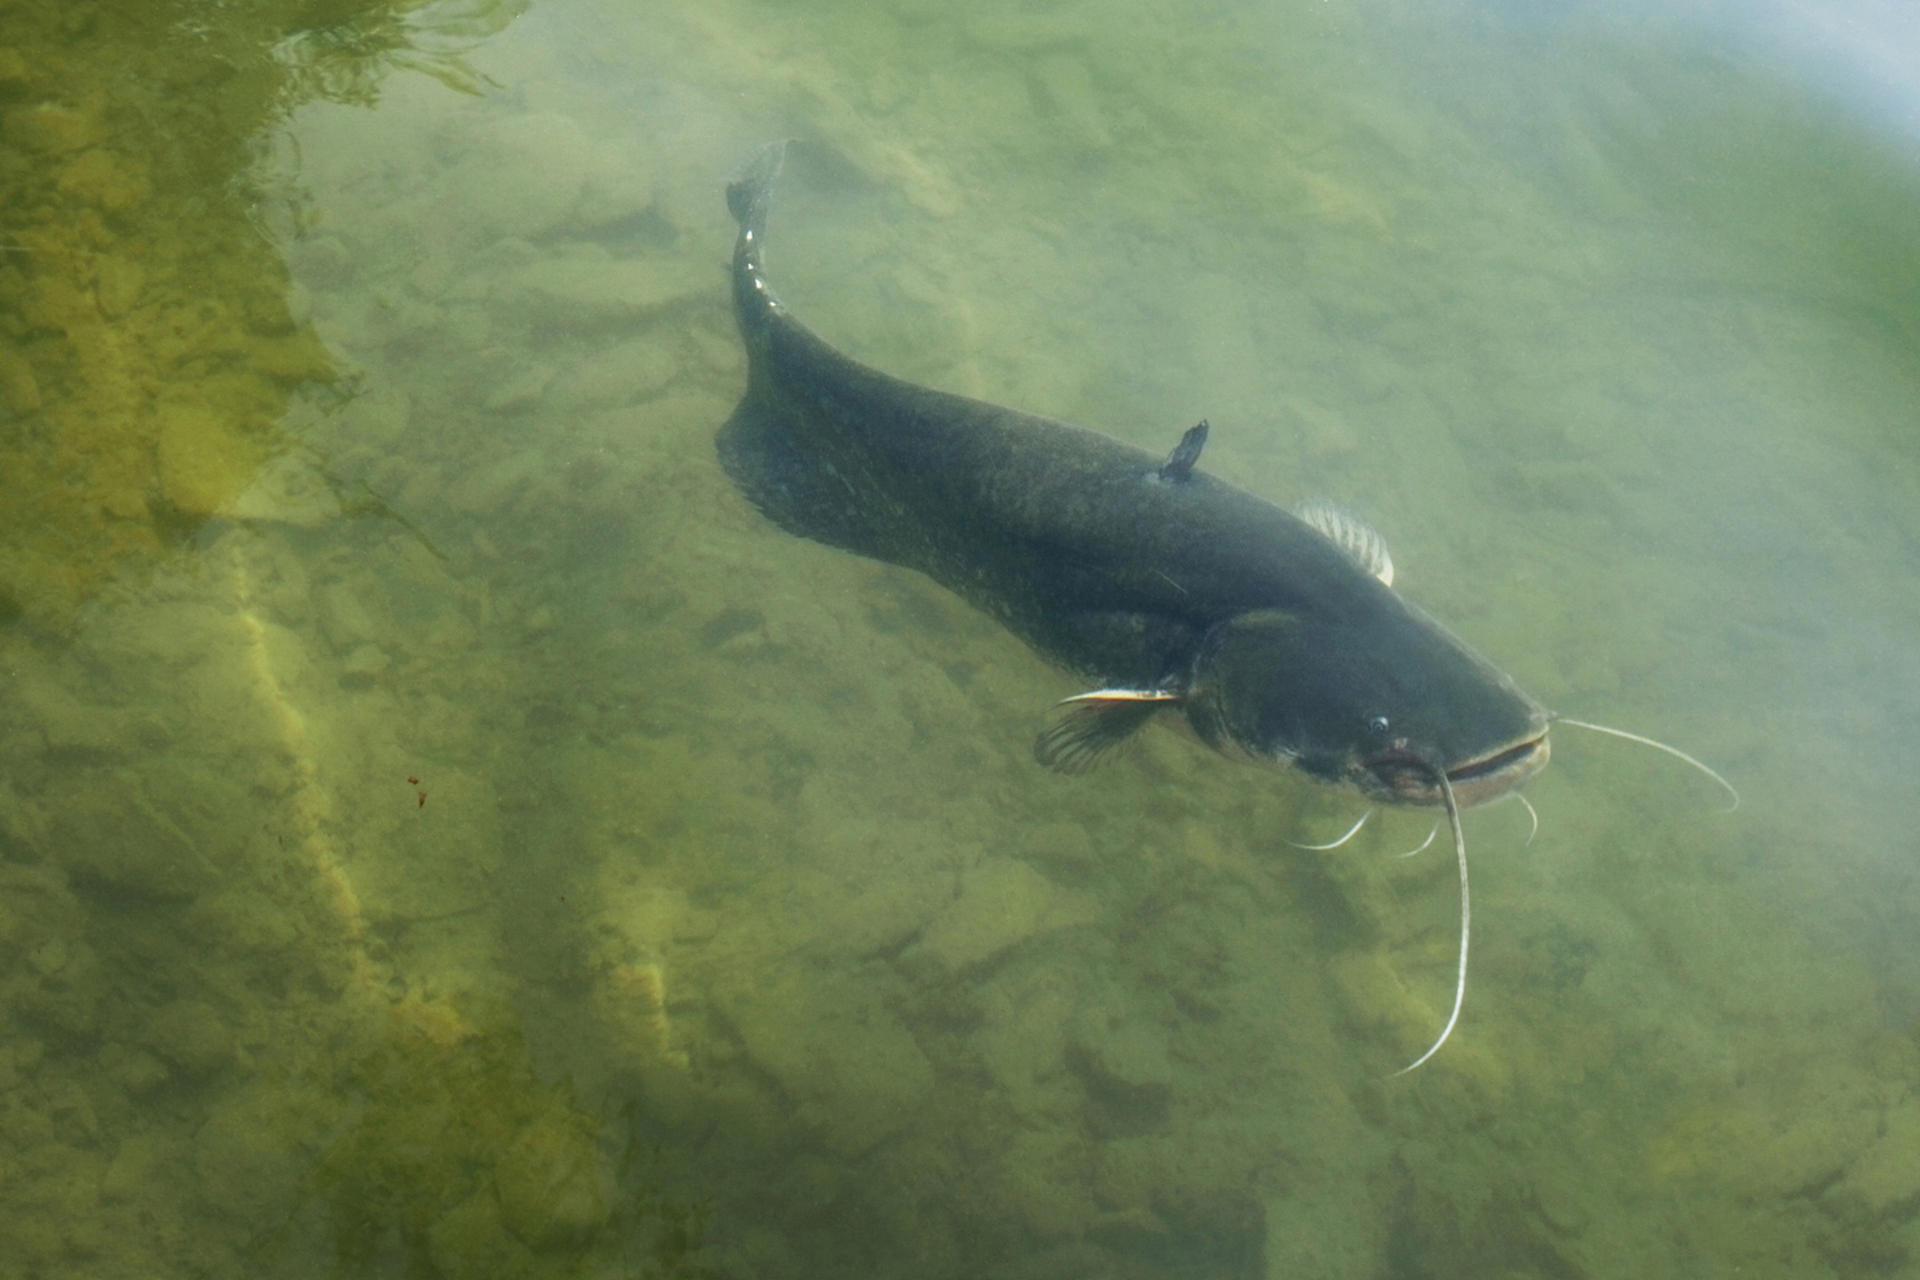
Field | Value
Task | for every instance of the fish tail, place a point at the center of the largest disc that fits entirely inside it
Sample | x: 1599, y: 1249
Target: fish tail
x: 779, y: 455
x: 749, y: 194
x: 750, y: 190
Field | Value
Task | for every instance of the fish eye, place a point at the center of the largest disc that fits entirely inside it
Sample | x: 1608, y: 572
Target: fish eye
x: 1378, y: 726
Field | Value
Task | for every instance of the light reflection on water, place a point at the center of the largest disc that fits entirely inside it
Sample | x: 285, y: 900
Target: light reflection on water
x: 444, y: 828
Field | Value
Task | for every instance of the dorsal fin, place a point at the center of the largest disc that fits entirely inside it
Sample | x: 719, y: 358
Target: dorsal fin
x: 1179, y: 463
x: 1347, y: 531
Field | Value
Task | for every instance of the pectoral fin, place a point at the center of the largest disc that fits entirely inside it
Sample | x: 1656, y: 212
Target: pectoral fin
x: 1093, y: 724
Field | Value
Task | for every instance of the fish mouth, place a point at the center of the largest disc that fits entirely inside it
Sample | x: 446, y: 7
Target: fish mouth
x: 1409, y: 780
x: 1496, y: 774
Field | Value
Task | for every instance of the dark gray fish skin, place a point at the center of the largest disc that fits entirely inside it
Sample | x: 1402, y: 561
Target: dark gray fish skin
x: 1166, y: 586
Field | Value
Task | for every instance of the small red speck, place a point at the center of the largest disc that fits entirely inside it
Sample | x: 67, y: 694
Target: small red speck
x: 414, y: 781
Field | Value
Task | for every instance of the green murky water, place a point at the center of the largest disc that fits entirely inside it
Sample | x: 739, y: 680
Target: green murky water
x: 445, y: 832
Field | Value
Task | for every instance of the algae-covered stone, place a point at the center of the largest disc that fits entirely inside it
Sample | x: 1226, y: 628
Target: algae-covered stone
x: 519, y: 388
x: 67, y: 723
x: 469, y: 1241
x: 1022, y: 1039
x: 289, y: 490
x: 1062, y: 848
x: 52, y: 128
x: 246, y: 1168
x: 1002, y: 903
x: 1888, y: 1172
x: 548, y: 157
x: 1024, y: 32
x: 365, y: 662
x: 112, y: 837
x: 189, y: 1035
x: 132, y: 1165
x: 135, y: 1070
x: 19, y: 389
x: 68, y: 998
x: 117, y: 285
x: 485, y: 488
x: 854, y: 1073
x: 626, y: 374
x: 588, y: 294
x: 1066, y: 85
x: 100, y: 177
x: 1375, y: 999
x: 552, y: 1189
x: 348, y: 622
x: 1049, y: 1179
x: 49, y: 956
x: 1125, y: 1061
x: 205, y: 458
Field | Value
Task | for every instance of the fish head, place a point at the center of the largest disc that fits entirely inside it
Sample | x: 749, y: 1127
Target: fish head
x: 1381, y: 700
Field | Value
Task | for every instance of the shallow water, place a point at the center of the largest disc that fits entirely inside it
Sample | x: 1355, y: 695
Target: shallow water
x: 446, y: 832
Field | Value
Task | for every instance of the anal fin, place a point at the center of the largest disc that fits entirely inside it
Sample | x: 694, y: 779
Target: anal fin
x: 774, y: 468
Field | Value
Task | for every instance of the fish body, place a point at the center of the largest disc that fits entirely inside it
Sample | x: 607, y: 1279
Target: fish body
x: 1276, y: 635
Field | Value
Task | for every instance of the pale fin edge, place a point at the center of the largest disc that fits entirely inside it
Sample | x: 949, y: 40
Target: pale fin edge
x: 1093, y: 725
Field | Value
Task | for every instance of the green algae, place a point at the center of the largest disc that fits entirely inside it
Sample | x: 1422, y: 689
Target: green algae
x: 457, y: 1160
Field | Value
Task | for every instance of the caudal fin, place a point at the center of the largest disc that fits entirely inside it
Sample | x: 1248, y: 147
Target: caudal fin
x: 787, y: 458
x: 751, y: 187
x: 779, y: 466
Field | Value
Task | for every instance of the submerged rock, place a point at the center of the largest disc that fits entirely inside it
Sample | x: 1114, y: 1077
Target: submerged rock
x: 552, y: 1189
